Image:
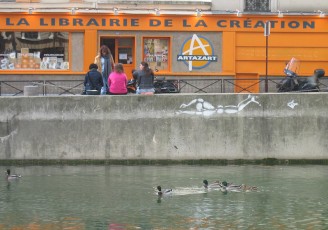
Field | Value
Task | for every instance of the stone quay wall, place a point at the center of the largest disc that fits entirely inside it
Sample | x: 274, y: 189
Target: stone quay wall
x: 165, y: 127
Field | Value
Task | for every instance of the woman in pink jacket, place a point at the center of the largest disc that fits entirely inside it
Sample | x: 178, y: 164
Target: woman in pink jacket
x: 117, y: 81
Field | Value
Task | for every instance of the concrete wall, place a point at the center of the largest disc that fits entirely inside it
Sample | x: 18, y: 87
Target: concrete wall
x: 77, y: 56
x: 231, y: 5
x: 217, y: 126
x: 282, y: 5
x: 302, y: 6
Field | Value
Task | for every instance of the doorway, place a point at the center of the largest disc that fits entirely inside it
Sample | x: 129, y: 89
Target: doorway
x: 123, y: 51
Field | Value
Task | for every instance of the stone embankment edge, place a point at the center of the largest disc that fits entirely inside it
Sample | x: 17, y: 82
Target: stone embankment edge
x: 267, y: 161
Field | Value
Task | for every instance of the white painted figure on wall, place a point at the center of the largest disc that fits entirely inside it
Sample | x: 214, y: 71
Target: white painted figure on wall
x: 205, y: 108
x: 292, y: 104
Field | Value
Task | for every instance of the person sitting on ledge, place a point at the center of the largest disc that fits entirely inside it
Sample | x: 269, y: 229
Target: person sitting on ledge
x: 93, y: 81
x: 117, y: 81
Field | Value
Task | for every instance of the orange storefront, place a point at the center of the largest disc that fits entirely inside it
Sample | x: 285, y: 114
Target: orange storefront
x: 63, y: 45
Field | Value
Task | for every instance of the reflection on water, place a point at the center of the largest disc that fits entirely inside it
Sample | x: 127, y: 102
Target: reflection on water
x: 123, y: 197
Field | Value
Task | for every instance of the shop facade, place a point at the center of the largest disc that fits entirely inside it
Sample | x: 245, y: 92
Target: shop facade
x: 61, y: 46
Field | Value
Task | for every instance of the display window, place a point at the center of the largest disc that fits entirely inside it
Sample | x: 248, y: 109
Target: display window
x: 156, y: 53
x: 34, y: 51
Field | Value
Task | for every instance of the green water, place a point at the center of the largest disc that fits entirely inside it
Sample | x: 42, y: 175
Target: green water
x: 122, y: 197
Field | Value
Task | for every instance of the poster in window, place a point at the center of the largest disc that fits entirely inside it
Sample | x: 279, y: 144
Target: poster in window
x: 123, y: 56
x: 129, y: 61
x: 43, y: 65
x: 65, y: 65
x: 52, y: 62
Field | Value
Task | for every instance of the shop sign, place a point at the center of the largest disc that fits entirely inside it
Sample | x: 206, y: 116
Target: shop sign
x: 137, y: 22
x: 197, y: 52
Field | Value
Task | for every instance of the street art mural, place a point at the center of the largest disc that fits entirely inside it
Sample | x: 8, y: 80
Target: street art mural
x: 204, y: 108
x: 292, y: 104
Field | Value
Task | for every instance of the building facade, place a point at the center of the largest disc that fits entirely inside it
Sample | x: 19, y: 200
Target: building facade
x: 46, y: 39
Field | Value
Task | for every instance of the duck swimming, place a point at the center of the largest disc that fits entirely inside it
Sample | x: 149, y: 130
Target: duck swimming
x: 238, y: 188
x: 12, y: 176
x: 248, y: 188
x: 165, y: 192
x: 216, y: 184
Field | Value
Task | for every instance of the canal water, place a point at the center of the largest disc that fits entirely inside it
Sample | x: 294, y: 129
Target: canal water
x: 123, y: 197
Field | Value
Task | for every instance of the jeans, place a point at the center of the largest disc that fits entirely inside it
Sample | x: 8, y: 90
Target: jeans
x: 104, y: 89
x: 140, y: 91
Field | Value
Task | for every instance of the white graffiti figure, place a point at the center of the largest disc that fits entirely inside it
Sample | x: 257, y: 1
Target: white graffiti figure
x: 292, y: 104
x: 207, y: 109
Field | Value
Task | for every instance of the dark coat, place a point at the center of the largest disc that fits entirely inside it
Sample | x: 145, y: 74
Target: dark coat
x: 94, y: 78
x: 144, y: 80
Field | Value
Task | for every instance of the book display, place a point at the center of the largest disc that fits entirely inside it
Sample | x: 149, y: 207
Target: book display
x: 42, y: 51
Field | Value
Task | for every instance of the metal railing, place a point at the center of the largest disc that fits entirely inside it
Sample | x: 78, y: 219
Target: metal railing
x: 218, y: 85
x: 227, y: 85
x: 46, y: 87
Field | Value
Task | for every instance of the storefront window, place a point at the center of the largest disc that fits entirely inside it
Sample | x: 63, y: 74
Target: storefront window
x: 125, y: 50
x: 125, y: 55
x: 34, y: 50
x: 156, y: 52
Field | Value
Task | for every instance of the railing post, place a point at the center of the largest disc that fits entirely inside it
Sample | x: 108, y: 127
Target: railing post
x: 221, y: 80
x: 266, y: 34
x: 266, y: 65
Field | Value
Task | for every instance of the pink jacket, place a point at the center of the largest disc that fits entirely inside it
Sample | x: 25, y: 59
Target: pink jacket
x: 117, y: 83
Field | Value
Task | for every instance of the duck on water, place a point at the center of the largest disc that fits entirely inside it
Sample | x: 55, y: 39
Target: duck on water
x: 12, y: 176
x: 164, y: 192
x: 225, y: 186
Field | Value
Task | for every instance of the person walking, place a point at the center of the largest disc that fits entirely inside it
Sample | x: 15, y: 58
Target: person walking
x: 93, y: 81
x: 145, y: 79
x: 105, y: 63
x: 117, y: 81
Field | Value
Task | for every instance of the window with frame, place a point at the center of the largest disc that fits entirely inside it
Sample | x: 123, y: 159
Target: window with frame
x: 156, y: 53
x: 257, y: 5
x: 34, y: 50
x: 125, y: 51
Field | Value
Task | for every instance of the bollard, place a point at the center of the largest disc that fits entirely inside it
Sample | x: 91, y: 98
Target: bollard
x: 31, y: 90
